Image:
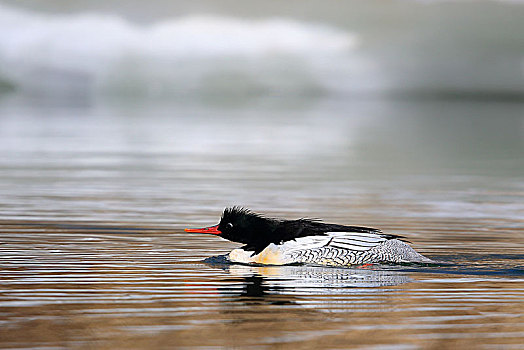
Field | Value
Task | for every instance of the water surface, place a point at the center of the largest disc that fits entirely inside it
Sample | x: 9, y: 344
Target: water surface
x: 95, y: 197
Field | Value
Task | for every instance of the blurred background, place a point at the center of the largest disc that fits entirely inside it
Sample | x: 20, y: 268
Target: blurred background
x: 157, y: 111
x: 170, y: 49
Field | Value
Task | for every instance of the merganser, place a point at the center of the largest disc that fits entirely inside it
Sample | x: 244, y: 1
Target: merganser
x: 272, y: 241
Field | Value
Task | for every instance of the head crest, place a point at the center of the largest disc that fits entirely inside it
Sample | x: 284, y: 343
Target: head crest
x: 236, y: 211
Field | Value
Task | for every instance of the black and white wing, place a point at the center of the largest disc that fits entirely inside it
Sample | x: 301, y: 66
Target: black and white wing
x: 354, y: 241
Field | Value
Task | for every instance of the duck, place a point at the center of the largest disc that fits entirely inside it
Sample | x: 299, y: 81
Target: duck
x: 272, y: 241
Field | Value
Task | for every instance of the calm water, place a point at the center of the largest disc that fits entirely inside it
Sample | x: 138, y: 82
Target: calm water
x: 94, y: 198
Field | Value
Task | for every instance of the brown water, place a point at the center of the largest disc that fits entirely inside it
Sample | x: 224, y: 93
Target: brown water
x: 94, y: 199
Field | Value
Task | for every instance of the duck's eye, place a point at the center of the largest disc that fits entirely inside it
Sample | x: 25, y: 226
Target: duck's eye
x: 229, y: 225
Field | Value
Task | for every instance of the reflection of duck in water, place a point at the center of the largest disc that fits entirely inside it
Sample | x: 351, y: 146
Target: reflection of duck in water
x: 281, y: 242
x: 308, y: 279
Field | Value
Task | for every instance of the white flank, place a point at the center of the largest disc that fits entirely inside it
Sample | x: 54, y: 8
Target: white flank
x: 278, y: 254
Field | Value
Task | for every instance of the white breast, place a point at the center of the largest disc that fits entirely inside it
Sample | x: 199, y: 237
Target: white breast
x: 271, y: 255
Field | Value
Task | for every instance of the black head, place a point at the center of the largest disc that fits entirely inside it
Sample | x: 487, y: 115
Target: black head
x: 241, y: 225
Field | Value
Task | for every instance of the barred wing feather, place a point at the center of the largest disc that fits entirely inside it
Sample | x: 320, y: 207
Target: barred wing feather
x: 356, y: 241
